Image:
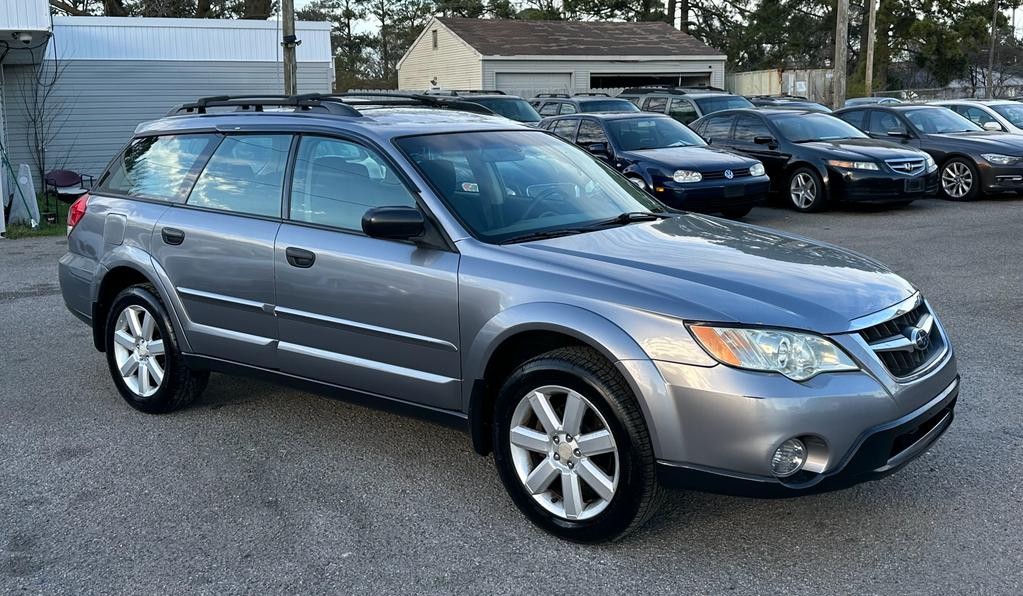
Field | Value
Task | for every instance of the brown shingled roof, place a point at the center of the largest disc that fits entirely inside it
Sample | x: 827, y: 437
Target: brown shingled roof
x: 501, y: 37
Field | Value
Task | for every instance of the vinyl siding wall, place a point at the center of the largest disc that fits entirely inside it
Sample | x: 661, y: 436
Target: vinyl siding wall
x: 582, y: 69
x: 454, y: 64
x: 96, y: 105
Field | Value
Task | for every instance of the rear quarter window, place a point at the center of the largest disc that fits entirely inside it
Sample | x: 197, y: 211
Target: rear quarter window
x: 161, y: 168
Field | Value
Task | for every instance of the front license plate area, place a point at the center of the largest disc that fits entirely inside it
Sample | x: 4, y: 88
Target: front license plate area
x: 915, y: 185
x: 732, y: 192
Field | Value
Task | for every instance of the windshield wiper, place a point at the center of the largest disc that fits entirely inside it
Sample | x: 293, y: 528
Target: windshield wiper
x: 543, y: 235
x: 629, y: 217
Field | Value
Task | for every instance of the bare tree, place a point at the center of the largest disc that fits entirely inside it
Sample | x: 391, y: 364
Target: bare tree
x: 46, y: 114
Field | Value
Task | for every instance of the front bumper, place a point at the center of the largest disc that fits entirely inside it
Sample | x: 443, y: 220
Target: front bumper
x: 880, y: 187
x: 718, y: 426
x: 878, y: 452
x: 713, y: 196
x: 999, y: 179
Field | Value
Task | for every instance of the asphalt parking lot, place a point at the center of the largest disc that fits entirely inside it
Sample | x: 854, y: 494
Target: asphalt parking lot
x: 262, y: 489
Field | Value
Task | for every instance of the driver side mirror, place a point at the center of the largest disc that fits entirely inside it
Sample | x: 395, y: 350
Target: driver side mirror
x: 899, y: 134
x: 601, y: 149
x: 992, y: 125
x: 763, y: 140
x: 394, y: 223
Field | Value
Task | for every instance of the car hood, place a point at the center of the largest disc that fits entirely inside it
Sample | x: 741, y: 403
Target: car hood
x: 863, y: 148
x: 691, y: 158
x: 982, y: 140
x: 697, y: 267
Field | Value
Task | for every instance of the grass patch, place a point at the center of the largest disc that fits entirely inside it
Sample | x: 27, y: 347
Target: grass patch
x: 45, y: 229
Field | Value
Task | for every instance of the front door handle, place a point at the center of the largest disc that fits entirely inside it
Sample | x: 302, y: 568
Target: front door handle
x: 299, y: 257
x: 172, y: 236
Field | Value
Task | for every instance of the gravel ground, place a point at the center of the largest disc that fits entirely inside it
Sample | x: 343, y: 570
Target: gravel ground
x: 260, y: 488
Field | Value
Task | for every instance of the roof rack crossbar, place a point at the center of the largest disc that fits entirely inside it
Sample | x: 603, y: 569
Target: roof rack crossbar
x: 592, y: 94
x: 555, y: 95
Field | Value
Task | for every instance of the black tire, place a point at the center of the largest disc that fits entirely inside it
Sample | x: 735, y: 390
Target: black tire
x: 585, y: 371
x: 819, y: 200
x: 180, y: 385
x: 957, y: 163
x: 736, y: 212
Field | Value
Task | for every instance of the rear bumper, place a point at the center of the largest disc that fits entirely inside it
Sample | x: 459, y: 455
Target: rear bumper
x: 714, y: 195
x: 879, y: 451
x: 880, y: 187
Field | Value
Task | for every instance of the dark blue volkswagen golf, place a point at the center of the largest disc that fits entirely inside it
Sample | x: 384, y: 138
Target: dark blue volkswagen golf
x: 668, y: 160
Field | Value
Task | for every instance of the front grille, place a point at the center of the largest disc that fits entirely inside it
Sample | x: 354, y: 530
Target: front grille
x: 719, y: 174
x: 891, y: 342
x: 909, y: 167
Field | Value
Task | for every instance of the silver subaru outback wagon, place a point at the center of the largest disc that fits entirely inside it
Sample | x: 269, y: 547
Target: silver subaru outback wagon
x: 486, y: 275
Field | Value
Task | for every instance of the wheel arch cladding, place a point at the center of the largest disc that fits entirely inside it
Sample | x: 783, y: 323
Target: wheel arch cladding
x: 520, y: 333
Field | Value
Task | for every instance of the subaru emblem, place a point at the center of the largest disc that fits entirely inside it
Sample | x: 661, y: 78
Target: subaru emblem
x: 729, y: 174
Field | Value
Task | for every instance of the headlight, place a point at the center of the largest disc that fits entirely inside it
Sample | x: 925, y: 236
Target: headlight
x: 1000, y: 160
x: 852, y: 165
x: 684, y: 176
x: 929, y: 163
x: 757, y: 169
x: 798, y: 356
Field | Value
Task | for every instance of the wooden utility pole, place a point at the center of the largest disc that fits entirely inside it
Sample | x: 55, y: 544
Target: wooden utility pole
x: 868, y: 78
x: 991, y: 53
x: 841, y: 43
x: 289, y: 42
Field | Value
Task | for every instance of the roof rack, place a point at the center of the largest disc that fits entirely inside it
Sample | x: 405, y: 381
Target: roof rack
x: 779, y: 96
x: 456, y: 92
x: 674, y: 89
x: 331, y: 104
x: 258, y: 103
x: 394, y: 99
x: 591, y: 94
x: 557, y: 95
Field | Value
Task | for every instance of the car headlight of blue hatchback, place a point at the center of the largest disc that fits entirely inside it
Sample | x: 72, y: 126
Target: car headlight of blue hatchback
x: 757, y: 169
x: 798, y: 356
x: 684, y: 176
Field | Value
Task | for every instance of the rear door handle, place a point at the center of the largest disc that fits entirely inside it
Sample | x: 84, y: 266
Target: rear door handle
x: 172, y: 236
x: 299, y: 257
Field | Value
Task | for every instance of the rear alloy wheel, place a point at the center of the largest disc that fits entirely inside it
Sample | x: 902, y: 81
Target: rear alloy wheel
x: 143, y: 354
x: 573, y: 448
x: 806, y: 190
x: 959, y: 181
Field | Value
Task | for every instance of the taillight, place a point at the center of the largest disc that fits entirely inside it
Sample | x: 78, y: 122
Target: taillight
x: 77, y: 211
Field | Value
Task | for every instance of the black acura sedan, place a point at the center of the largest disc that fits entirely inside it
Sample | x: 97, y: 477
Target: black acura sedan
x: 972, y: 160
x: 668, y: 160
x: 814, y: 159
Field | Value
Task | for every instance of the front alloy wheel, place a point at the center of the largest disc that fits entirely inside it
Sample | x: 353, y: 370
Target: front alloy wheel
x: 958, y: 180
x: 564, y: 452
x: 805, y: 190
x: 572, y: 446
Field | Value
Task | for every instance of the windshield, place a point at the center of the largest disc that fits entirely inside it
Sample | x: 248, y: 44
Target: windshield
x: 511, y: 108
x: 724, y: 102
x: 801, y: 128
x: 1013, y: 112
x: 508, y: 184
x: 932, y: 121
x: 634, y: 134
x: 608, y: 105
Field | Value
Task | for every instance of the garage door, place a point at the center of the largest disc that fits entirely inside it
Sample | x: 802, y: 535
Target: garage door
x: 527, y: 85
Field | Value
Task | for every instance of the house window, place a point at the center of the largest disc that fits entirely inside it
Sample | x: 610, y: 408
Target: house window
x: 434, y: 34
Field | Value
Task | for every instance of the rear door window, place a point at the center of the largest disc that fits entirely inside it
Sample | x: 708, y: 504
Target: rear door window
x: 682, y: 110
x: 718, y: 129
x: 881, y: 123
x: 244, y: 175
x: 856, y: 118
x: 590, y: 132
x: 567, y: 108
x: 655, y: 104
x: 549, y: 109
x: 566, y: 129
x: 160, y: 168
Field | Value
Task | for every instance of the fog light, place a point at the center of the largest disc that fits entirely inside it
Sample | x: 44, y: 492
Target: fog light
x: 789, y: 458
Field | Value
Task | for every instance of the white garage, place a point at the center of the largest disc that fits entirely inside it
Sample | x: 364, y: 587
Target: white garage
x: 529, y: 57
